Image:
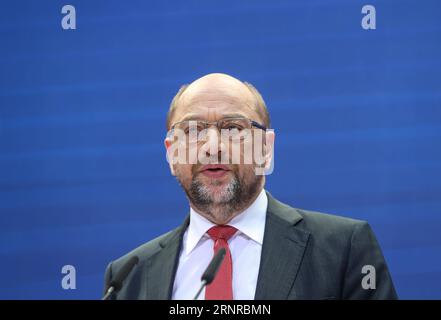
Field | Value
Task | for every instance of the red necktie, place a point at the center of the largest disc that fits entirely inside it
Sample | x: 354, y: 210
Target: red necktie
x: 222, y: 286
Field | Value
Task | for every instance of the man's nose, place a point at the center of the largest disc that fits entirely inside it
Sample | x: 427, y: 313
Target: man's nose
x: 214, y: 143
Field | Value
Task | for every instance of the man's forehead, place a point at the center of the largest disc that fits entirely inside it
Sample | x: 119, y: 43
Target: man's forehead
x: 211, y: 100
x: 212, y: 110
x: 227, y: 93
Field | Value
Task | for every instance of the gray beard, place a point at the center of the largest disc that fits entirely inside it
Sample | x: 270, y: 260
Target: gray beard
x: 235, y: 197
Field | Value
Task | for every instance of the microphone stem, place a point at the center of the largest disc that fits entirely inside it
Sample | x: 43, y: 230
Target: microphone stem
x: 204, y: 283
x: 109, y: 293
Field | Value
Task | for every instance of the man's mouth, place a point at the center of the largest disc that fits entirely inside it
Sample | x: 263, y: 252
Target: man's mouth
x: 214, y: 170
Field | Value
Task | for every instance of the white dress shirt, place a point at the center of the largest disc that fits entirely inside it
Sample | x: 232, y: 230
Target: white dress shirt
x: 245, y: 246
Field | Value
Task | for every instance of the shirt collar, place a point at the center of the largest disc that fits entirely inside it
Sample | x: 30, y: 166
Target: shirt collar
x: 251, y: 222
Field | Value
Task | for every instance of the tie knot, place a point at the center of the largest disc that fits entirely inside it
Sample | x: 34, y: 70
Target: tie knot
x: 221, y: 232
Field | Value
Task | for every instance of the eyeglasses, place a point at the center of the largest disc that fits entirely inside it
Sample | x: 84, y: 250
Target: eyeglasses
x: 234, y: 128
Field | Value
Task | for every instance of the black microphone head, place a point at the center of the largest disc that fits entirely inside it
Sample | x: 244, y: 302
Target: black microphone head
x: 213, y: 267
x: 122, y: 274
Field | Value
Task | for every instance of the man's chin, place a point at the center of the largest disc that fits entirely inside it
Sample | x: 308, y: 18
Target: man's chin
x: 216, y: 190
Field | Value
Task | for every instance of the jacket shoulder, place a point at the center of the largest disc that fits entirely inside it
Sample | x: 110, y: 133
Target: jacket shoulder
x: 312, y: 221
x: 144, y: 251
x: 325, y: 222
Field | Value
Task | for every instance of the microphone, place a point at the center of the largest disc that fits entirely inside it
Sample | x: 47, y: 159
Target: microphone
x: 116, y: 284
x: 211, y: 271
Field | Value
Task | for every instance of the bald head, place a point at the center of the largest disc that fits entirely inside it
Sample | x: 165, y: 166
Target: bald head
x: 216, y: 93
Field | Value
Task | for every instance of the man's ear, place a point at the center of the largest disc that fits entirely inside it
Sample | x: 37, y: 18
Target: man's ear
x: 169, y: 150
x: 270, y: 137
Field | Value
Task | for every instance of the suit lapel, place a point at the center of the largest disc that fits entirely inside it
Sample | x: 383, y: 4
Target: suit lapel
x: 161, y: 268
x: 282, y: 251
x: 282, y: 254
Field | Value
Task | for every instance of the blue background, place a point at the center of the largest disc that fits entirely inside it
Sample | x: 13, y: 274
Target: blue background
x: 83, y: 172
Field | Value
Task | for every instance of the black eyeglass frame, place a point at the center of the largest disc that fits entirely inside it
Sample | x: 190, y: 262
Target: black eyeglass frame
x: 207, y: 123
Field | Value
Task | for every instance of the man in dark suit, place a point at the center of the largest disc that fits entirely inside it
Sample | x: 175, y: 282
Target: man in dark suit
x: 273, y: 251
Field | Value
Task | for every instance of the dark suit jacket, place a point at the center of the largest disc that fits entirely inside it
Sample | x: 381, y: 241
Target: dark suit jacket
x: 305, y: 255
